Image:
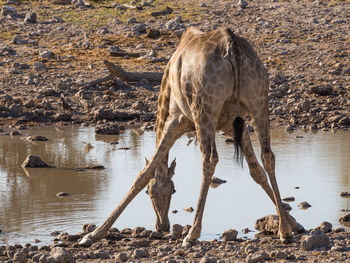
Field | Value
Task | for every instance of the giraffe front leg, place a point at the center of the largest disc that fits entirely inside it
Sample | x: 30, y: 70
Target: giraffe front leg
x: 170, y: 134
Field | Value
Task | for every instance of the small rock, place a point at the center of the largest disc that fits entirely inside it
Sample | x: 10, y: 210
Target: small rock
x: 188, y: 209
x: 20, y: 257
x: 137, y: 230
x: 122, y: 256
x: 174, y: 211
x: 229, y: 235
x: 62, y: 2
x: 325, y: 227
x: 30, y: 18
x: 104, y: 114
x: 34, y: 161
x: 108, y: 129
x: 132, y: 20
x: 208, y: 259
x: 246, y: 230
x: 163, y: 12
x: 242, y: 4
x: 63, y: 116
x: 345, y: 219
x: 304, y: 205
x: 174, y: 24
x: 215, y: 181
x: 278, y: 254
x: 39, y: 65
x: 61, y: 194
x: 156, y: 235
x: 177, y: 230
x: 289, y: 199
x: 9, y: 10
x: 19, y: 41
x: 36, y: 138
x: 345, y: 194
x: 139, y: 29
x: 89, y: 227
x: 46, y: 54
x: 255, y: 258
x: 140, y: 253
x: 14, y: 133
x: 313, y: 241
x: 153, y: 33
x: 305, y: 105
x: 323, y: 91
x: 60, y: 255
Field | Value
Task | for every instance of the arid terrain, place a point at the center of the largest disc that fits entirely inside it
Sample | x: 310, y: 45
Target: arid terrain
x: 53, y: 72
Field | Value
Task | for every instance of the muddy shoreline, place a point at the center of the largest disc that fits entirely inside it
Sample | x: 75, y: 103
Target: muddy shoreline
x: 47, y: 55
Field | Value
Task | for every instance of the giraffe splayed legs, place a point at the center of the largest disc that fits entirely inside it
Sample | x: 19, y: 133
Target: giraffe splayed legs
x: 211, y: 80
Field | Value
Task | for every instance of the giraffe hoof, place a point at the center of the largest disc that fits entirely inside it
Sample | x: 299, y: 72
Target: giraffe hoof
x: 86, y: 241
x: 287, y: 239
x: 187, y: 242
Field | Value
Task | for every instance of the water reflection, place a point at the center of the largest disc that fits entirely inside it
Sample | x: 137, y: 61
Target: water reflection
x: 317, y: 163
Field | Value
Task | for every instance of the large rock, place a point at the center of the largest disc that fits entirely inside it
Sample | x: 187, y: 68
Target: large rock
x: 229, y: 235
x: 34, y: 161
x: 270, y: 224
x: 316, y: 239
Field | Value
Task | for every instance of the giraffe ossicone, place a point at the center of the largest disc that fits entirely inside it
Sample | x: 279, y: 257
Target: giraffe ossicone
x: 211, y: 80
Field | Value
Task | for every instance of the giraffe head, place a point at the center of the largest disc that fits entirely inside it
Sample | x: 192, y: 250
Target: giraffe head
x: 160, y: 189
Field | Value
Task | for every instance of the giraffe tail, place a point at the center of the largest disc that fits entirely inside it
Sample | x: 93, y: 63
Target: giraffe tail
x: 234, y: 55
x: 238, y: 127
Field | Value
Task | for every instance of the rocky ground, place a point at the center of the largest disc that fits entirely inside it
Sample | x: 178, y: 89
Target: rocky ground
x: 321, y: 244
x: 51, y: 50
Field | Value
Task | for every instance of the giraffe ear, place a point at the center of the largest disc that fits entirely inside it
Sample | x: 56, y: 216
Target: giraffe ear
x: 171, y: 169
x: 146, y: 160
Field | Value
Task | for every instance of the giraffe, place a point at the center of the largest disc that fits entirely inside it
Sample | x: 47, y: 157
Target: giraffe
x: 212, y: 82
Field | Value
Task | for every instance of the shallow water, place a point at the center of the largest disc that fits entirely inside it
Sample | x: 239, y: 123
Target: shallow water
x: 317, y: 163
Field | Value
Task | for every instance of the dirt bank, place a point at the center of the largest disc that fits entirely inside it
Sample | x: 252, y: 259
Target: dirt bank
x: 48, y: 51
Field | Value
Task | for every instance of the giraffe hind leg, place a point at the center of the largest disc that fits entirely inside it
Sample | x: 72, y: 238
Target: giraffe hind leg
x: 206, y: 138
x: 268, y: 160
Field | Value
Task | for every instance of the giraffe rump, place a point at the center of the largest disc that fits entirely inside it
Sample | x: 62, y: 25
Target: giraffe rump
x: 238, y: 127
